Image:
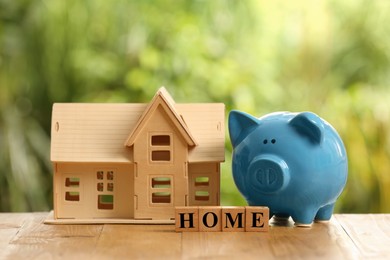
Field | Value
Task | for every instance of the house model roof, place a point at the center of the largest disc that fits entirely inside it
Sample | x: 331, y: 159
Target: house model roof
x: 85, y: 132
x: 162, y: 98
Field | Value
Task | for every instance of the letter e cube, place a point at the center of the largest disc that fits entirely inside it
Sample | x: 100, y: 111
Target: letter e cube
x: 256, y: 219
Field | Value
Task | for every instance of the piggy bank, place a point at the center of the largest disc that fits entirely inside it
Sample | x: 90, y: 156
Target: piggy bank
x: 294, y: 163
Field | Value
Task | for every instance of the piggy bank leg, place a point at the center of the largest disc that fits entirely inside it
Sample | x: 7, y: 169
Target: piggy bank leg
x: 304, y: 218
x: 281, y: 217
x: 324, y: 213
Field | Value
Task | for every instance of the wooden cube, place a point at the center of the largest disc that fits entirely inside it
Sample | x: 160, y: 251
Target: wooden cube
x: 233, y: 219
x: 256, y: 219
x: 186, y: 219
x: 210, y: 219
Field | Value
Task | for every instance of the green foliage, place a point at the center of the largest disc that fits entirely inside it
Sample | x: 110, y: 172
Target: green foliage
x: 329, y: 57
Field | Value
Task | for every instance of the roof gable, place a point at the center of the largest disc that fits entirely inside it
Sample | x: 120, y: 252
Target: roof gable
x: 164, y: 100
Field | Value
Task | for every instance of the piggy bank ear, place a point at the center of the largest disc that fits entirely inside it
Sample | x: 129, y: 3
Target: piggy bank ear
x: 240, y: 125
x: 310, y: 125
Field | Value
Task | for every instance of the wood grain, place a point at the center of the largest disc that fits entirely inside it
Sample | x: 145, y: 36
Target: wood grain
x: 10, y: 225
x: 25, y: 236
x: 322, y: 240
x: 370, y: 233
x: 138, y: 242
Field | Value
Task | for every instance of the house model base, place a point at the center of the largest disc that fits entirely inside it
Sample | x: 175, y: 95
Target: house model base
x: 80, y: 221
x: 134, y: 163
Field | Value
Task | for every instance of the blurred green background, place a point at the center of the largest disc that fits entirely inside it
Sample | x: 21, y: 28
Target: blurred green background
x: 329, y: 57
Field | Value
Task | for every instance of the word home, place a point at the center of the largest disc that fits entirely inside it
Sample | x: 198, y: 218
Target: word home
x: 226, y: 219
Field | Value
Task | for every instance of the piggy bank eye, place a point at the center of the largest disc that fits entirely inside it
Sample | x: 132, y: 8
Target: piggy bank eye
x: 265, y: 141
x: 273, y: 141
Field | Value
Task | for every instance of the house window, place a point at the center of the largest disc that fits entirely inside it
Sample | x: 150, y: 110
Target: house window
x: 100, y: 186
x: 72, y: 196
x: 161, y: 190
x: 160, y: 147
x: 72, y: 189
x: 100, y: 175
x: 202, y: 181
x: 72, y: 182
x: 202, y: 195
x: 161, y: 197
x: 105, y: 189
x: 110, y: 187
x: 105, y: 202
x: 161, y: 140
x: 201, y: 186
x: 161, y: 156
x: 161, y: 183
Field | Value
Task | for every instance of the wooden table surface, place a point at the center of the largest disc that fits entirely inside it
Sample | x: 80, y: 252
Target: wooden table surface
x: 346, y: 236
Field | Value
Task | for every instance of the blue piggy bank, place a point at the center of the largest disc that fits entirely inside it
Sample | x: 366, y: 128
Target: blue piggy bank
x: 294, y: 163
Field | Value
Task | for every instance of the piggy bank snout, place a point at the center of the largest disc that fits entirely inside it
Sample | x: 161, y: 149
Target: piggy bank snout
x: 268, y: 173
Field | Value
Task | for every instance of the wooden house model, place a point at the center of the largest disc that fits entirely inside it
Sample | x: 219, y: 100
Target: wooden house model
x: 135, y: 161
